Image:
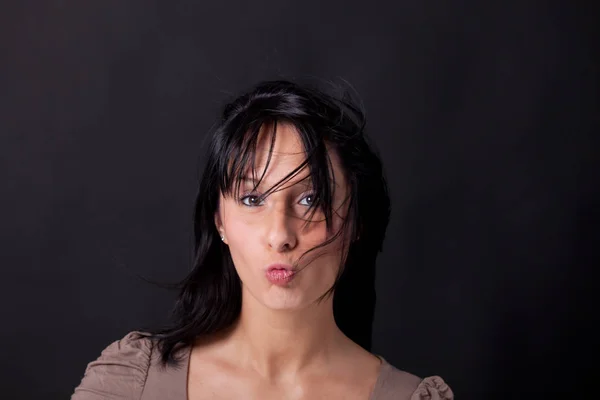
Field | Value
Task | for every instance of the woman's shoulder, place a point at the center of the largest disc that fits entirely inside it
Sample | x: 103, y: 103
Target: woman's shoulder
x: 120, y: 371
x: 396, y: 384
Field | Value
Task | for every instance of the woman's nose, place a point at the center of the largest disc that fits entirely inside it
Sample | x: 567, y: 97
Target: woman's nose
x: 281, y: 233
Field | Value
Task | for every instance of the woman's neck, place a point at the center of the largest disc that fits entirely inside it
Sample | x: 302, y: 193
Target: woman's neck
x: 280, y: 343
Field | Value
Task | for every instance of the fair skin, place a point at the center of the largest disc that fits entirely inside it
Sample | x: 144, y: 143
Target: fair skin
x: 285, y: 344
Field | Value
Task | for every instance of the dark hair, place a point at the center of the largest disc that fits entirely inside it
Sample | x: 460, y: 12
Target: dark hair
x: 210, y: 296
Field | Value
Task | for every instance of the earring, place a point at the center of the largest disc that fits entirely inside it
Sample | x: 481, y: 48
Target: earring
x: 222, y: 238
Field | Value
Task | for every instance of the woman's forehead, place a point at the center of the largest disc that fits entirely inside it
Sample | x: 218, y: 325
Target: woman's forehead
x: 280, y: 153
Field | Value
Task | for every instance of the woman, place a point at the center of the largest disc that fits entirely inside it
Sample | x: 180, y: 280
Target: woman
x: 290, y: 216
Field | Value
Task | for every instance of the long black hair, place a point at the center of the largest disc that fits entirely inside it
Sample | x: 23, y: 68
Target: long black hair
x: 210, y: 296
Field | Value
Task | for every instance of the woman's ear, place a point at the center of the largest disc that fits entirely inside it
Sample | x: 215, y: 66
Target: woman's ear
x: 219, y: 225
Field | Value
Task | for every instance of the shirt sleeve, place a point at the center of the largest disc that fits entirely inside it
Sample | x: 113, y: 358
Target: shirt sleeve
x: 433, y: 388
x: 119, y: 373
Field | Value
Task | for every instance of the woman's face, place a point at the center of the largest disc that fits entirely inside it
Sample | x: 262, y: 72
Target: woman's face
x: 261, y: 235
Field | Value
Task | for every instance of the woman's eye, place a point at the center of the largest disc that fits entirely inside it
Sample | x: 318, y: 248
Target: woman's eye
x: 251, y: 201
x: 307, y: 200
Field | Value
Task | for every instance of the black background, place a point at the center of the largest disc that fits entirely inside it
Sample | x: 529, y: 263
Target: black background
x: 485, y: 114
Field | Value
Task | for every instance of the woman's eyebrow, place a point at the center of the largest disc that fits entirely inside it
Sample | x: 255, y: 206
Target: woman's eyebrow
x: 249, y: 178
x: 306, y: 181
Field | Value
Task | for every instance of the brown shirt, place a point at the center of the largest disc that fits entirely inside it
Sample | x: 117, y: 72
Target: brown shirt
x: 129, y: 369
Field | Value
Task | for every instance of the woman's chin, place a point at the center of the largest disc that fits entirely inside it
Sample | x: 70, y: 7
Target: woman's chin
x: 284, y: 301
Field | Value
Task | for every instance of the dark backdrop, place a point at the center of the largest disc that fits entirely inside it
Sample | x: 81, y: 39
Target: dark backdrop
x: 484, y: 115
